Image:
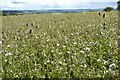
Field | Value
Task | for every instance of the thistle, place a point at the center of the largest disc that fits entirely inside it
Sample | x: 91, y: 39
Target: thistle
x: 30, y: 31
x: 99, y: 13
x: 104, y: 15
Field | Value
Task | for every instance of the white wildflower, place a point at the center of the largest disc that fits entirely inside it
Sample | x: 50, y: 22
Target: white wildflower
x: 64, y: 64
x: 98, y: 75
x: 68, y: 51
x: 64, y: 46
x: 112, y: 65
x: 45, y: 63
x: 110, y: 70
x: 77, y: 33
x: 5, y: 60
x: 85, y: 65
x: 52, y: 51
x: 60, y: 62
x: 81, y: 51
x: 58, y: 44
x: 88, y: 49
x: 98, y: 60
x: 52, y: 62
x: 35, y: 69
x: 64, y: 60
x: 105, y: 71
x: 8, y: 46
x: 48, y: 61
x: 23, y: 45
x: 44, y: 34
x: 48, y: 40
x: 105, y: 62
x: 97, y: 34
x: 8, y: 54
x: 72, y: 34
x: 0, y: 42
x: 60, y: 53
x: 75, y: 43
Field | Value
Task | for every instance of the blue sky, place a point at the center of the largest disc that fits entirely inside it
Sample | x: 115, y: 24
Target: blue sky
x: 56, y: 4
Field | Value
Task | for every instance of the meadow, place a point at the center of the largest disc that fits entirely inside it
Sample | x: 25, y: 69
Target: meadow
x: 60, y: 45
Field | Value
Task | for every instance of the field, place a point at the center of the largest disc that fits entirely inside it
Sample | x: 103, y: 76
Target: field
x: 60, y: 45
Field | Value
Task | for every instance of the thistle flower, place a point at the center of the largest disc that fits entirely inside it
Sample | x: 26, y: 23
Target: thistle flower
x: 30, y: 31
x: 104, y: 15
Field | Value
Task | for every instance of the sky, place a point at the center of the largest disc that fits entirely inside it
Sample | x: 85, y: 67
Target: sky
x: 56, y: 4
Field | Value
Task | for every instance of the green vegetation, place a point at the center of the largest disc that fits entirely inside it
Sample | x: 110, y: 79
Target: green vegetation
x: 108, y: 9
x: 118, y: 7
x: 60, y: 45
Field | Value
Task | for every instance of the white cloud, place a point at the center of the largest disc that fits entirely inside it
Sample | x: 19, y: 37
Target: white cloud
x: 30, y: 4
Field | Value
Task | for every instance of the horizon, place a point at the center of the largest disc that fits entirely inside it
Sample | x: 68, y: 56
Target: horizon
x: 56, y: 4
x: 59, y: 9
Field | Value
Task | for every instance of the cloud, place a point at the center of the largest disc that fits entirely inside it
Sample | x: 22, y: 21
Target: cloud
x: 11, y: 5
x: 18, y: 2
x: 53, y: 4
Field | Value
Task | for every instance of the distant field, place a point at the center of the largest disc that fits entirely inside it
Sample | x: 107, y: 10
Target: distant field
x: 65, y: 45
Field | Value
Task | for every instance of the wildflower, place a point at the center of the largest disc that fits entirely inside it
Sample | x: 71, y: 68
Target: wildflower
x: 87, y: 49
x: 110, y: 70
x: 58, y: 44
x: 77, y: 33
x: 64, y: 64
x: 98, y: 75
x: 23, y: 45
x: 52, y: 51
x: 60, y: 62
x: 75, y: 43
x: 11, y: 71
x: 48, y: 40
x: 98, y: 60
x: 81, y: 51
x: 8, y: 46
x: 7, y: 54
x: 45, y: 63
x: 105, y: 71
x: 85, y: 65
x: 64, y: 46
x: 68, y: 51
x: 60, y: 53
x: 35, y: 69
x: 5, y: 60
x: 97, y: 34
x: 48, y: 61
x: 52, y: 62
x: 0, y: 42
x: 112, y: 65
x: 72, y: 34
x: 105, y: 62
x: 44, y: 34
x: 64, y: 60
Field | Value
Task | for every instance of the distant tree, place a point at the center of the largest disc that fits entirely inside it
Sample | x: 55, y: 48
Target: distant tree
x: 118, y: 7
x: 108, y: 9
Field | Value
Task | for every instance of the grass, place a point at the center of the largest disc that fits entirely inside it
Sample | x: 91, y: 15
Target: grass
x: 67, y: 45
